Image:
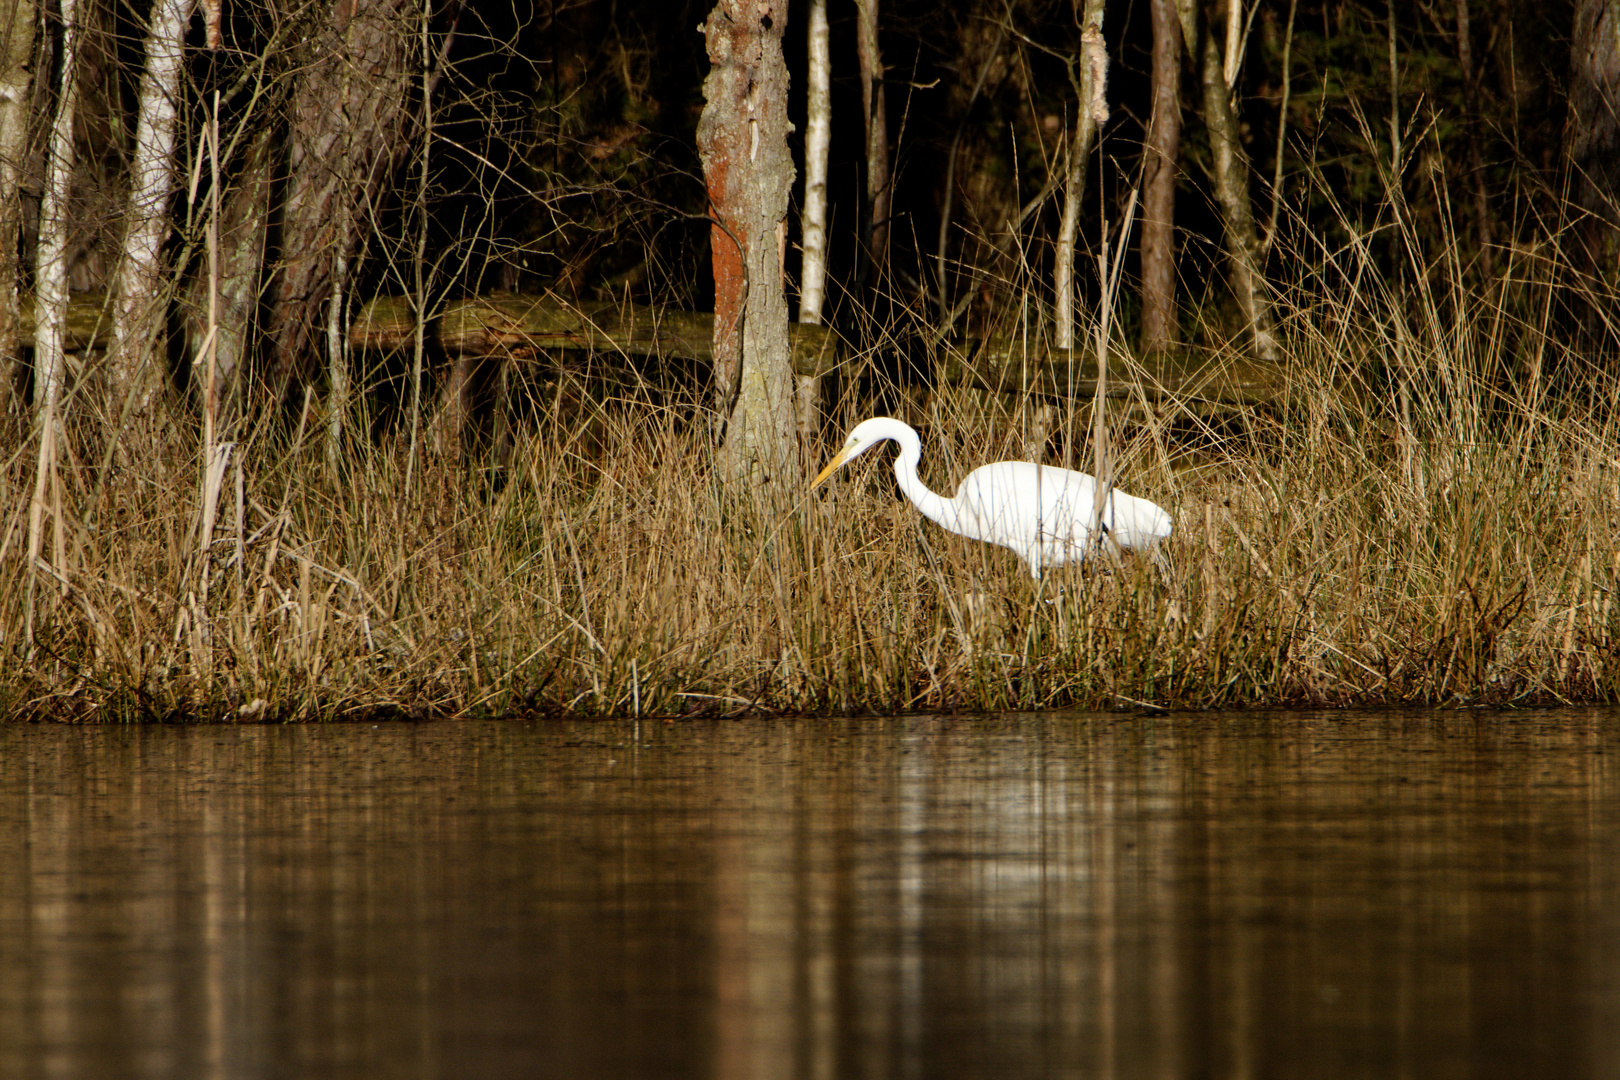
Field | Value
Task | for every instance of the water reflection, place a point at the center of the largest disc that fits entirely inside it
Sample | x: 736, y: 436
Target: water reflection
x: 1310, y: 895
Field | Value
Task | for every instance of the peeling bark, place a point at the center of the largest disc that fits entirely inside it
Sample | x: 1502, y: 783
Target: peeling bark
x: 742, y: 141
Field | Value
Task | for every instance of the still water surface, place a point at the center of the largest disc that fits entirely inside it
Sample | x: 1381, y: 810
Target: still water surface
x: 1259, y: 895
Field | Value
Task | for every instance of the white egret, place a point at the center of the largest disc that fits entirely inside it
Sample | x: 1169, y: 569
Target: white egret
x: 1042, y: 512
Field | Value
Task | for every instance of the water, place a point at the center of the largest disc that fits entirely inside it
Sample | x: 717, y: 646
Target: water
x: 1264, y: 895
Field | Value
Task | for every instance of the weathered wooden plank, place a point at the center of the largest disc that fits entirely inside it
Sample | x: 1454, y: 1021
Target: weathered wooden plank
x: 1005, y: 365
x: 89, y: 322
x: 505, y: 321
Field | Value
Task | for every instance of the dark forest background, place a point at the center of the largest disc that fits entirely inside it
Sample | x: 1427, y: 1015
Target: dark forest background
x: 562, y: 155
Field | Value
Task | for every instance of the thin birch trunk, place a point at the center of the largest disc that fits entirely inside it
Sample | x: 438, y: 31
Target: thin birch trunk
x: 1160, y: 153
x: 337, y: 369
x: 51, y: 301
x: 1093, y: 110
x: 419, y: 284
x: 878, y: 190
x: 1394, y: 98
x: 51, y: 255
x: 210, y: 350
x: 16, y: 82
x: 216, y: 454
x: 135, y: 367
x: 813, y: 266
x: 1230, y: 166
x: 742, y: 141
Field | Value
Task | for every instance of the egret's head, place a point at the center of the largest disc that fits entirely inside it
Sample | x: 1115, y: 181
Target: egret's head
x: 865, y: 436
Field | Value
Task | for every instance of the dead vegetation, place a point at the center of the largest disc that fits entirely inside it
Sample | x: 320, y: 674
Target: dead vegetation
x: 1430, y: 527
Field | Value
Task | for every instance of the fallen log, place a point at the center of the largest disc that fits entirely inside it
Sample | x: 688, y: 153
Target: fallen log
x: 1006, y: 365
x: 491, y: 325
x: 89, y: 322
x: 508, y: 322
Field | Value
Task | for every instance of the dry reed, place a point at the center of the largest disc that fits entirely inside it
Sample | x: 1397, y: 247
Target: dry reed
x: 1421, y: 519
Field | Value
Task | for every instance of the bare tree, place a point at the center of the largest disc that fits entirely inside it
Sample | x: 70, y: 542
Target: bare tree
x: 243, y: 223
x: 51, y: 254
x: 51, y: 298
x: 136, y: 369
x: 1092, y: 111
x: 742, y: 141
x: 1159, y: 154
x: 16, y: 56
x: 817, y: 142
x: 879, y: 192
x: 1229, y: 166
x: 349, y: 119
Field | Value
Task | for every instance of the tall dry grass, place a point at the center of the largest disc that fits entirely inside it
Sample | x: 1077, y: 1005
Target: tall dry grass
x: 1428, y: 515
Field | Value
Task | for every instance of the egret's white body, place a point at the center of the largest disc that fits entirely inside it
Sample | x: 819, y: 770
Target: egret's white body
x: 1043, y: 513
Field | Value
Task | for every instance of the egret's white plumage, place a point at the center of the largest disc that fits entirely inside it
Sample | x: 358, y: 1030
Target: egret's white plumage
x: 1043, y: 513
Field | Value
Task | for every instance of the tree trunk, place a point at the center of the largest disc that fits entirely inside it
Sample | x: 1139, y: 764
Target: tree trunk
x: 349, y: 123
x: 1592, y: 135
x: 1092, y: 104
x: 742, y: 141
x: 813, y: 266
x: 16, y: 82
x: 51, y: 255
x: 51, y: 294
x: 337, y: 371
x: 136, y: 362
x: 1159, y: 154
x: 244, y: 220
x: 1230, y: 166
x: 878, y: 190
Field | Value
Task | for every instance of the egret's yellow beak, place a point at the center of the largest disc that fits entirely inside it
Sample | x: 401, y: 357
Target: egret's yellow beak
x: 832, y: 467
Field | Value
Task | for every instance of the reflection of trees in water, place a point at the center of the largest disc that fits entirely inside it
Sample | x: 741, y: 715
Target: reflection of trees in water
x: 1016, y: 895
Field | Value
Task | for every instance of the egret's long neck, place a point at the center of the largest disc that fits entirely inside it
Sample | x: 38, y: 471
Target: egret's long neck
x: 937, y: 508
